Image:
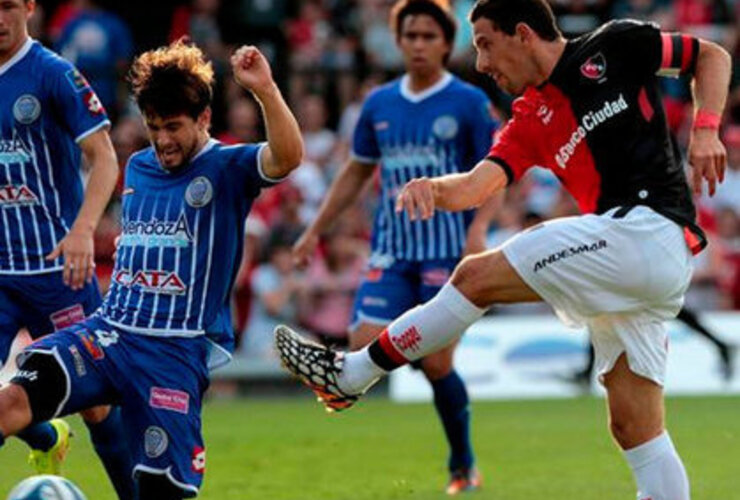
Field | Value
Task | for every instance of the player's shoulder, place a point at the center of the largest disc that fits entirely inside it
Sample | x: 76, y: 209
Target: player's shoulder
x: 47, y: 61
x: 143, y: 157
x: 617, y: 28
x: 466, y: 90
x: 223, y: 153
x: 382, y: 93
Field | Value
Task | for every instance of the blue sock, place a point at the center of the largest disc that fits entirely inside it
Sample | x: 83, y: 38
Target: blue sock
x: 451, y: 401
x: 111, y: 445
x: 39, y: 436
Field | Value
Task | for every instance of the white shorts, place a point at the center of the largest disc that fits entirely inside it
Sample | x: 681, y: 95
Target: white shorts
x: 621, y: 277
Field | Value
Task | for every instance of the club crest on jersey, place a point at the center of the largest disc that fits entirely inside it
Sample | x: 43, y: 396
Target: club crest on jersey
x: 595, y: 67
x: 153, y: 281
x: 445, y: 127
x: 26, y: 109
x: 199, y: 192
x: 155, y: 441
x: 13, y: 195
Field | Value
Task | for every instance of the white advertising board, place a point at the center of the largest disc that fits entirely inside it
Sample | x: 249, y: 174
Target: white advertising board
x: 509, y: 357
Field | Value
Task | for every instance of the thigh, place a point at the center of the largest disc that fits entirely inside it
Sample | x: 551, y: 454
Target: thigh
x: 50, y: 305
x: 68, y: 371
x: 385, y: 294
x: 161, y: 410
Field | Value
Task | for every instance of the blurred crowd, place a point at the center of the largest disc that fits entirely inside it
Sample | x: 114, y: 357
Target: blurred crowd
x: 326, y: 55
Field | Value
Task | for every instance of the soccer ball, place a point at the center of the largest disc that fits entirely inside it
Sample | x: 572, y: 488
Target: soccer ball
x: 46, y: 488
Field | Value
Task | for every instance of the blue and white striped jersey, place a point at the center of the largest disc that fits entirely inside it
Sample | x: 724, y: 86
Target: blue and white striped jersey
x: 181, y: 242
x: 446, y: 129
x: 46, y: 107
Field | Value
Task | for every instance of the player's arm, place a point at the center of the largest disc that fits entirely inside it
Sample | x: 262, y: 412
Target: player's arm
x: 343, y: 192
x: 453, y: 192
x: 707, y: 155
x: 77, y: 246
x: 284, y: 149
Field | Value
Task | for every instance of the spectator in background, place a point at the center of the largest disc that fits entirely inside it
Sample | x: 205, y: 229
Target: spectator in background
x: 275, y: 286
x: 326, y: 306
x: 318, y: 139
x: 199, y: 22
x: 243, y: 122
x: 100, y: 44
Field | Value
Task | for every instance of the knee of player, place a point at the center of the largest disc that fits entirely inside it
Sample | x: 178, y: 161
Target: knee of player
x: 472, y: 277
x: 15, y: 412
x: 631, y: 431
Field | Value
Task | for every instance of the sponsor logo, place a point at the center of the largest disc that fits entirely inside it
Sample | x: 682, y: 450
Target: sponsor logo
x: 78, y: 361
x: 374, y: 301
x: 17, y: 196
x: 445, y: 127
x: 30, y: 375
x: 569, y: 252
x: 76, y: 80
x: 127, y: 191
x: 595, y: 67
x: 154, y: 281
x: 435, y: 277
x: 589, y: 122
x: 90, y: 342
x: 169, y: 399
x: 199, y: 192
x: 26, y: 109
x: 67, y: 317
x: 106, y: 338
x: 408, y: 340
x: 381, y: 125
x: 94, y: 106
x: 198, y: 463
x: 156, y: 233
x: 14, y: 150
x: 545, y: 114
x: 155, y: 441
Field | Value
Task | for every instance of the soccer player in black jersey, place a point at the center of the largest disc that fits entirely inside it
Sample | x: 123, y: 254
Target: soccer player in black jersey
x: 590, y: 111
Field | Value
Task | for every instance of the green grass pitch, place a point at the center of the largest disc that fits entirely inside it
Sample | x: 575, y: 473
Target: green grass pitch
x: 282, y: 449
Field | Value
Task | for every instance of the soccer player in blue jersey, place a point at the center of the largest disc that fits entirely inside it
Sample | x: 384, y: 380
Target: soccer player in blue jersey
x: 49, y: 115
x: 166, y: 315
x: 425, y: 124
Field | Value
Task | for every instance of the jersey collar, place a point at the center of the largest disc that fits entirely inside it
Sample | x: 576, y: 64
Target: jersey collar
x: 412, y: 96
x: 17, y: 56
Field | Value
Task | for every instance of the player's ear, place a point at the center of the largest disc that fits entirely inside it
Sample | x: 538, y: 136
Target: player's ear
x: 204, y: 119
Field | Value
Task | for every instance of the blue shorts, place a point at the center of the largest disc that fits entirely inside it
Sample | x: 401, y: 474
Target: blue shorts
x: 386, y: 293
x: 43, y: 304
x: 158, y: 383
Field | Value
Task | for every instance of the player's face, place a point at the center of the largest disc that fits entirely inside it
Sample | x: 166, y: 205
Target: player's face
x: 13, y: 17
x: 506, y: 59
x: 176, y: 139
x: 422, y: 44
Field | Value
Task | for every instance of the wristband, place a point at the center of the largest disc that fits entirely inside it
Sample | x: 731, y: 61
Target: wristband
x: 706, y: 119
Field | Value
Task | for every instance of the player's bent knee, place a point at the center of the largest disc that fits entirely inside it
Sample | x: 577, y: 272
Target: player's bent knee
x: 41, y: 375
x: 95, y: 415
x: 157, y: 487
x: 631, y: 431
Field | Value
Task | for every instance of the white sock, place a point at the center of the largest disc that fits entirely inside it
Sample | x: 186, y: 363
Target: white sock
x: 658, y: 470
x: 420, y: 331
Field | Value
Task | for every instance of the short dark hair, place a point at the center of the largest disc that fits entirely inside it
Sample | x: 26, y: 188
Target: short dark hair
x: 436, y: 9
x: 172, y: 80
x: 506, y: 14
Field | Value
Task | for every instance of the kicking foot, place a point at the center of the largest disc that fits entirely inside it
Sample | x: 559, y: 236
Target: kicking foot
x: 318, y: 367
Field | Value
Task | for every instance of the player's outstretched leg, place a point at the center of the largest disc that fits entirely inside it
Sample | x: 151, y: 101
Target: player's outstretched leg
x: 315, y: 365
x: 49, y: 442
x: 111, y: 444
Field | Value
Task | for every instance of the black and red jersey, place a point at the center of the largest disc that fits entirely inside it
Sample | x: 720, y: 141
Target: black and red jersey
x: 598, y: 122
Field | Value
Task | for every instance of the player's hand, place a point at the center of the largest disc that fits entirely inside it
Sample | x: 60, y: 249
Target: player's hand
x: 305, y: 248
x: 251, y: 69
x: 708, y: 159
x: 77, y: 248
x: 417, y: 197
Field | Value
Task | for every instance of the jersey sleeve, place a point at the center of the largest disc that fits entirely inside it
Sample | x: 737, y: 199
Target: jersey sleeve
x: 513, y: 147
x: 651, y: 51
x: 248, y: 159
x: 364, y: 145
x: 79, y: 108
